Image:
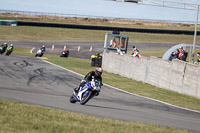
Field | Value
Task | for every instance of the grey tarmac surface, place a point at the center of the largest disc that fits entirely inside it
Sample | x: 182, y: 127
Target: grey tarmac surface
x: 84, y: 47
x: 34, y: 81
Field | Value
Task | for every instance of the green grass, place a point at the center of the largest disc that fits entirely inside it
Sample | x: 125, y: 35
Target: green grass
x: 16, y: 117
x: 24, y: 33
x: 27, y: 33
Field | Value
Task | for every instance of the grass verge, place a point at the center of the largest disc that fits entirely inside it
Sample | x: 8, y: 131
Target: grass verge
x: 17, y: 118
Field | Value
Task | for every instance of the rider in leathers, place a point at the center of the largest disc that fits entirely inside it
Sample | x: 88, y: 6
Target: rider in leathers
x: 43, y: 49
x: 9, y: 49
x: 93, y: 74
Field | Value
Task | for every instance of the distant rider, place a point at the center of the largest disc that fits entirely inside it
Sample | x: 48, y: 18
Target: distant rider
x: 10, y: 49
x: 43, y: 49
x: 40, y: 52
x: 97, y: 76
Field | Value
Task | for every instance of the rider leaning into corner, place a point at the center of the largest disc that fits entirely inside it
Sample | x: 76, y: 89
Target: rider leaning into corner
x: 9, y: 49
x: 97, y: 76
x: 3, y: 47
x: 43, y: 49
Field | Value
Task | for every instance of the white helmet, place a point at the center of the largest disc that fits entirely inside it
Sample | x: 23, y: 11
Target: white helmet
x: 98, y: 71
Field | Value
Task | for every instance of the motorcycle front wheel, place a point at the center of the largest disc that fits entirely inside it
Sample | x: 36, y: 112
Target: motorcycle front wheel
x: 72, y: 99
x: 86, y: 97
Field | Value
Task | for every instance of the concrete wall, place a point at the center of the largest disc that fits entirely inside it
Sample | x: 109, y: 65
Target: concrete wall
x: 173, y: 75
x: 159, y: 72
x: 125, y: 66
x: 191, y: 82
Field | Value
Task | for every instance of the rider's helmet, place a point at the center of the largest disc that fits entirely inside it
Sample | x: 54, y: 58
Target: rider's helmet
x: 98, y: 71
x: 5, y: 44
x: 43, y: 46
x: 11, y: 44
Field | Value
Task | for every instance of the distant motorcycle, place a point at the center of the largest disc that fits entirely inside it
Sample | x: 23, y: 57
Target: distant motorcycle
x: 65, y: 53
x: 39, y: 53
x: 2, y: 49
x: 9, y: 50
x: 86, y: 92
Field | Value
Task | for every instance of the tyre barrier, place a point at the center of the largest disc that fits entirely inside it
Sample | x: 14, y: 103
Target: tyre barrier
x: 96, y: 60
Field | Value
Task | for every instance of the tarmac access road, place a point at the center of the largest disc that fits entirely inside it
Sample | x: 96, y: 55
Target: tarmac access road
x: 34, y: 81
x: 97, y: 47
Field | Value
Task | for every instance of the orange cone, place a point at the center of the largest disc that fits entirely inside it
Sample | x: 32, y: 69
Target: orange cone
x: 79, y: 48
x: 52, y: 47
x: 91, y: 49
x: 65, y: 48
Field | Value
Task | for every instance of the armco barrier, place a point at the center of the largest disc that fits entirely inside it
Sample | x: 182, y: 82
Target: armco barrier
x: 107, y: 28
x: 173, y: 75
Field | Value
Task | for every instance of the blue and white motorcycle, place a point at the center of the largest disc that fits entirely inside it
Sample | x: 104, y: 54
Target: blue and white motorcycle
x: 86, y: 92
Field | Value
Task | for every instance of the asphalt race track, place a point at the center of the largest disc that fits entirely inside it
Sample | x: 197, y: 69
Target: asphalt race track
x: 34, y: 81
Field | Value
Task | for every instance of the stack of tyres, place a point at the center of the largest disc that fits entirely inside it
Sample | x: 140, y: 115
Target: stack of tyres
x: 96, y: 60
x: 93, y: 60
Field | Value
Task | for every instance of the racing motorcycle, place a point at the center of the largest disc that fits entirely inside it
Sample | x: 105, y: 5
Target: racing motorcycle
x: 39, y: 53
x: 65, y: 53
x: 2, y: 49
x: 86, y: 92
x: 9, y: 51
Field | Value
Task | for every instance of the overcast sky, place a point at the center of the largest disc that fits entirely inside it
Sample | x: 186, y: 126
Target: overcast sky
x: 101, y: 8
